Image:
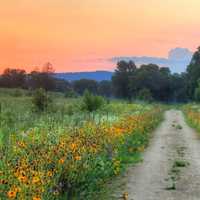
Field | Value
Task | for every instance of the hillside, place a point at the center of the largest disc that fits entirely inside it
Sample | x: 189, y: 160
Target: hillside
x: 96, y: 75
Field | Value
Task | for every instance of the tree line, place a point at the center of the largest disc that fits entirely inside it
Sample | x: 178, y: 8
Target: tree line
x: 148, y: 82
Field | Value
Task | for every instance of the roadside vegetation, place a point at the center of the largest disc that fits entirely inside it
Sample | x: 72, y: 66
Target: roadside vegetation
x: 192, y: 115
x: 65, y: 140
x: 53, y: 147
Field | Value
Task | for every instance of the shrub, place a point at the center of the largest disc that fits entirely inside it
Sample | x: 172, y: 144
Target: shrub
x: 92, y: 102
x: 70, y: 94
x: 197, y: 92
x: 41, y: 100
x: 145, y: 95
x: 17, y: 93
x: 44, y: 166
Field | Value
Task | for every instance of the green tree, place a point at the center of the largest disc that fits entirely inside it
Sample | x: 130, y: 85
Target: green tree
x: 43, y: 79
x: 13, y: 78
x: 105, y: 88
x: 81, y: 85
x: 121, y: 79
x: 178, y: 87
x: 193, y: 73
x: 145, y: 95
x: 197, y: 92
x: 153, y: 78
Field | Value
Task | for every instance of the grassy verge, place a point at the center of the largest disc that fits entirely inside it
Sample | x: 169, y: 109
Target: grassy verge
x: 64, y: 153
x: 192, y: 115
x: 75, y: 164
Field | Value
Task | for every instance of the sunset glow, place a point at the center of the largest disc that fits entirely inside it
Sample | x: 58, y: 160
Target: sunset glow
x: 77, y: 35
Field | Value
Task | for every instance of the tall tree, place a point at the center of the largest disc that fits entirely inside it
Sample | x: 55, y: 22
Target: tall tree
x: 178, y: 85
x: 105, y: 88
x: 13, y: 78
x: 153, y: 78
x: 121, y: 79
x: 85, y: 84
x: 43, y: 79
x: 193, y: 73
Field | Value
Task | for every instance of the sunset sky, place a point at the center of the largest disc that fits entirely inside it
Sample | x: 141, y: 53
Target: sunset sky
x: 82, y: 35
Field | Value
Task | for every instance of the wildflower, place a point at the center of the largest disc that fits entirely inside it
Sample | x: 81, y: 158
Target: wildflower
x: 17, y: 189
x: 125, y: 196
x: 35, y: 180
x: 73, y: 146
x: 61, y: 161
x: 22, y: 144
x: 50, y: 173
x: 36, y: 198
x: 56, y: 193
x: 22, y: 178
x: 12, y: 194
x: 77, y: 158
x: 140, y: 149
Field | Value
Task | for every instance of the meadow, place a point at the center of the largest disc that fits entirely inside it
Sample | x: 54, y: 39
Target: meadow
x: 66, y: 152
x: 192, y: 115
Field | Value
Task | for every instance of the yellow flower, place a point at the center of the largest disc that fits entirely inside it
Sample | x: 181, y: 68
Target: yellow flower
x: 11, y: 194
x: 22, y: 144
x: 50, y: 173
x: 36, y: 198
x: 77, y: 157
x: 73, y: 146
x: 125, y: 196
x: 22, y: 178
x: 61, y: 161
x: 35, y: 180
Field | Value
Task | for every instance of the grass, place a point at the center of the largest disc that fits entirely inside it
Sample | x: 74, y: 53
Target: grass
x: 192, y: 115
x: 180, y: 163
x: 65, y: 152
x: 179, y: 127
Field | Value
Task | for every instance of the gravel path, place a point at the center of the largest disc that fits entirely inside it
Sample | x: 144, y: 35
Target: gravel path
x: 171, y: 166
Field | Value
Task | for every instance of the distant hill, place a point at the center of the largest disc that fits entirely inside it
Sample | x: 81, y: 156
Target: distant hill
x: 96, y: 75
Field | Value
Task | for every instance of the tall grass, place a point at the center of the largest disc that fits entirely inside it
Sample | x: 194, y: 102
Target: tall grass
x: 64, y: 152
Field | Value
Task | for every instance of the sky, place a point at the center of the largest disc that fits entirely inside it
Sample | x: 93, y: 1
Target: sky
x: 82, y: 35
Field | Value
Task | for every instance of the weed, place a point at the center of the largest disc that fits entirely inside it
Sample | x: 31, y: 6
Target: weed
x: 180, y: 163
x: 179, y: 127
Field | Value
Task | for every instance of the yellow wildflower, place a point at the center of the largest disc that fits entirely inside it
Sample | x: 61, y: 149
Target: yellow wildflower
x: 12, y: 194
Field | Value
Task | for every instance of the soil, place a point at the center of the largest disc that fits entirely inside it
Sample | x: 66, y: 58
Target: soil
x: 171, y: 165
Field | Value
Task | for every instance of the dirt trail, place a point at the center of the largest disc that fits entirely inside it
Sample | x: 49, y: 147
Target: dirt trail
x: 171, y: 166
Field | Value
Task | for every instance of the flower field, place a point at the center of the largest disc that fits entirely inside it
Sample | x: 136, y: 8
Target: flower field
x: 192, y: 113
x: 73, y: 162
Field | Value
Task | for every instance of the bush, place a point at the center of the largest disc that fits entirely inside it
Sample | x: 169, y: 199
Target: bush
x: 70, y: 94
x: 92, y: 102
x: 145, y: 95
x: 197, y: 92
x: 17, y: 93
x: 41, y: 100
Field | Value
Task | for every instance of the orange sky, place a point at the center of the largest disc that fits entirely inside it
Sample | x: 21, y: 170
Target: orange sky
x: 80, y: 35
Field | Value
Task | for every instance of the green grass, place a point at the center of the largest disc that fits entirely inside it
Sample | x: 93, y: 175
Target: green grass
x: 63, y: 119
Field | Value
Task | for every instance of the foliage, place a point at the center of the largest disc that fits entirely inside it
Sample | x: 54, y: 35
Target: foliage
x: 121, y: 79
x: 41, y: 100
x: 91, y: 102
x: 70, y: 93
x: 193, y: 73
x: 47, y: 164
x: 192, y: 115
x: 105, y: 88
x: 85, y: 84
x: 197, y: 92
x: 13, y: 78
x: 145, y: 95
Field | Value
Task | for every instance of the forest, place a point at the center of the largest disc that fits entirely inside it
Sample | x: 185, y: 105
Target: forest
x: 147, y: 82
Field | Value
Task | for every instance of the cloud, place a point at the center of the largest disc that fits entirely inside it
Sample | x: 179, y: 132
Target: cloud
x: 177, y: 61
